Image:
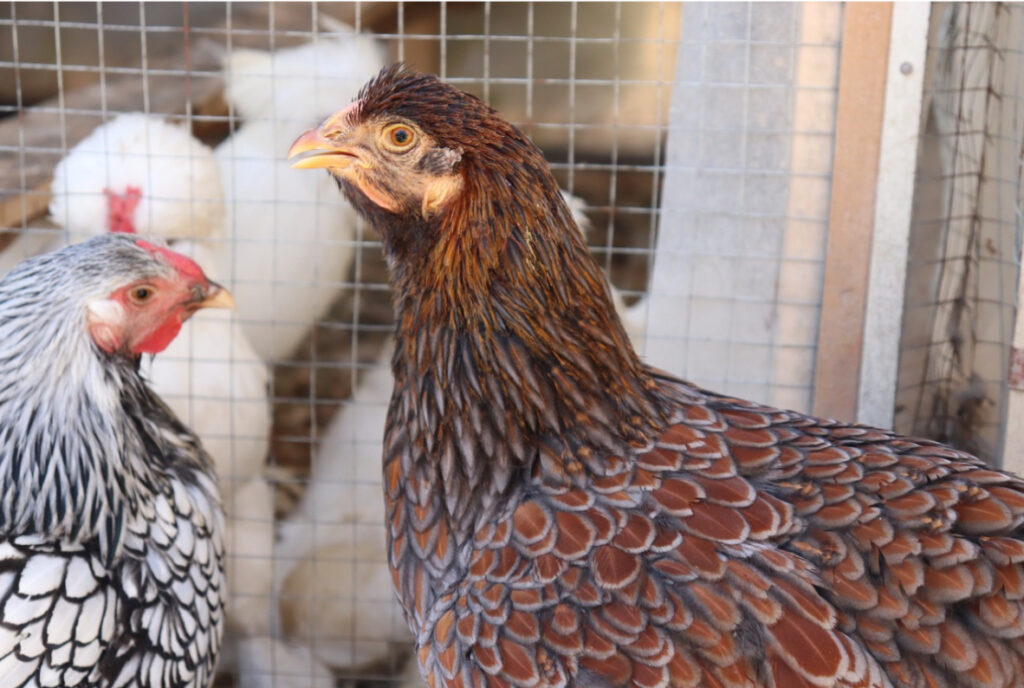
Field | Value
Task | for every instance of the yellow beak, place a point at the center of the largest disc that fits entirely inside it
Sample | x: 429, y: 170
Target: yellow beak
x: 325, y: 153
x: 216, y: 297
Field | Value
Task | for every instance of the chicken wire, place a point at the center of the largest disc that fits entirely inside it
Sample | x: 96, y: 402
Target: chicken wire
x: 590, y: 83
x: 737, y: 280
x: 965, y: 243
x: 699, y: 139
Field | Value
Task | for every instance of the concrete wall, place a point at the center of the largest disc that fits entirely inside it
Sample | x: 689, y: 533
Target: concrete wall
x: 735, y: 292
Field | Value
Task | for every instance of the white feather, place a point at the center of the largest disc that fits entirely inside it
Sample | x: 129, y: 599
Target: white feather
x: 15, y: 671
x: 89, y: 654
x: 335, y: 593
x: 79, y: 581
x: 42, y: 575
x: 291, y: 234
x: 32, y: 642
x: 61, y: 622
x: 19, y: 611
x: 91, y: 618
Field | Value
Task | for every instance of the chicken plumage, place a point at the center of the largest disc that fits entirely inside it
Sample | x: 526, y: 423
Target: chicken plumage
x: 111, y: 567
x: 292, y: 242
x: 332, y: 544
x: 140, y: 174
x: 561, y: 514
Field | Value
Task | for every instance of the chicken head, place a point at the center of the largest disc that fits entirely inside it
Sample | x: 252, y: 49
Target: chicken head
x: 146, y: 313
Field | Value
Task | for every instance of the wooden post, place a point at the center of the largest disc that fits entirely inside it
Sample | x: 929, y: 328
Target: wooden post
x: 858, y: 134
x: 894, y: 201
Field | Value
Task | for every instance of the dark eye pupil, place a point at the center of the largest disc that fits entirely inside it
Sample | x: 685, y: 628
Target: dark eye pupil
x: 141, y: 294
x: 400, y: 136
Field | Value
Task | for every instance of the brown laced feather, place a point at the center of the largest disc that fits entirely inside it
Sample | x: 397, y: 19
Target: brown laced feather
x: 561, y: 515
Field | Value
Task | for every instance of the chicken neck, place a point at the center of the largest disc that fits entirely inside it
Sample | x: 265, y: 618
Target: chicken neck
x: 510, y: 360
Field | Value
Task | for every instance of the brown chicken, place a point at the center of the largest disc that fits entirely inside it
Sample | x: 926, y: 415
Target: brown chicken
x: 561, y: 514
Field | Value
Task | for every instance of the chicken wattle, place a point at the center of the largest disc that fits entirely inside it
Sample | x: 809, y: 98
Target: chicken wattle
x: 561, y: 514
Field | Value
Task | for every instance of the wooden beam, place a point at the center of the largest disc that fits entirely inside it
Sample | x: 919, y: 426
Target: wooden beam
x: 894, y: 200
x: 858, y: 133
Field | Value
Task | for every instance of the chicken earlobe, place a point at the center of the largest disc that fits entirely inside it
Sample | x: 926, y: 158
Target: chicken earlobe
x: 105, y: 320
x: 438, y: 192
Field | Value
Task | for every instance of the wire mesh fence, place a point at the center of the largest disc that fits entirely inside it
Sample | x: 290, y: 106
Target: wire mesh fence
x: 966, y: 236
x: 289, y: 393
x: 736, y: 287
x: 698, y: 139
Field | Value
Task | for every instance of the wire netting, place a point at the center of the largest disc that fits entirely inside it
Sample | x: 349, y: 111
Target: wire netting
x: 311, y: 599
x: 736, y: 289
x: 698, y: 139
x: 964, y: 260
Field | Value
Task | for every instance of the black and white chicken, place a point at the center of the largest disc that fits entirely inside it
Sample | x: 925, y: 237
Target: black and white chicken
x: 111, y: 552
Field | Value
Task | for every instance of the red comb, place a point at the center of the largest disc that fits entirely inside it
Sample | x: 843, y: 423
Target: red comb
x: 183, y: 264
x: 121, y: 209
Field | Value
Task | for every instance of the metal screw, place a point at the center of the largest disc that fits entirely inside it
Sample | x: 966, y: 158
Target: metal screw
x: 906, y: 68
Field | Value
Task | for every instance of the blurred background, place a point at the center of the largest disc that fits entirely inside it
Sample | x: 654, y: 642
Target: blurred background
x: 817, y: 206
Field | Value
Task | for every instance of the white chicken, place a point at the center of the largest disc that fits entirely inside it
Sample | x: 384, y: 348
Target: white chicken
x: 140, y: 174
x: 249, y: 541
x: 292, y: 240
x: 334, y: 590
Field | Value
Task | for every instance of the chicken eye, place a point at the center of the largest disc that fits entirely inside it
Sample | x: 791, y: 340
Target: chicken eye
x: 140, y: 295
x: 399, y: 137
